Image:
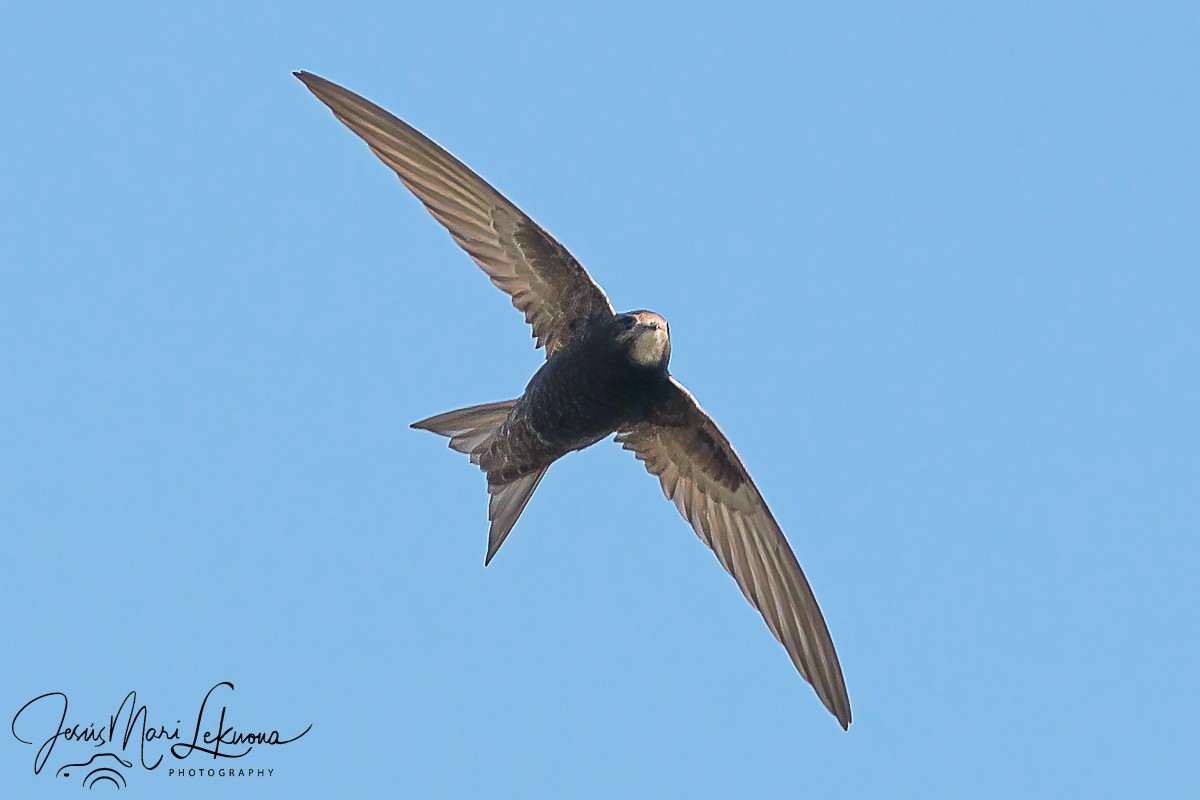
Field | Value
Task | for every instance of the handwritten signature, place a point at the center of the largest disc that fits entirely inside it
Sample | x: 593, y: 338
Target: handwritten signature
x: 132, y: 723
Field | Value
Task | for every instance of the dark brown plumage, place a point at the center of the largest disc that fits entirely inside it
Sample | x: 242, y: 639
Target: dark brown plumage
x: 604, y: 373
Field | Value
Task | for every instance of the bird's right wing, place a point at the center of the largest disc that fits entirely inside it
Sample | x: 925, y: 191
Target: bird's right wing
x: 700, y: 471
x: 546, y: 283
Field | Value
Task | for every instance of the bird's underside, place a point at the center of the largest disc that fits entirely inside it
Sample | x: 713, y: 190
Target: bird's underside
x: 605, y: 373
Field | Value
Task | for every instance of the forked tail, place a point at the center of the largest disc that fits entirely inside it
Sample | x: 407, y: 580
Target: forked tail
x: 470, y: 430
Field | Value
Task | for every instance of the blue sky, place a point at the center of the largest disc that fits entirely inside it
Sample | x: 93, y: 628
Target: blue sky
x: 933, y: 269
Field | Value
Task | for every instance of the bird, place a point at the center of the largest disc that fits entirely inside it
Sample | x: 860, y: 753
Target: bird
x: 605, y: 373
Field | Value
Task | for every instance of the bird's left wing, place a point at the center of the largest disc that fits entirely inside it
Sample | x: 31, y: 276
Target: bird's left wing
x: 546, y: 283
x: 700, y: 471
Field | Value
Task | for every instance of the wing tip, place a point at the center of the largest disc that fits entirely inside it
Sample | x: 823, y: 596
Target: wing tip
x: 840, y: 708
x: 315, y: 83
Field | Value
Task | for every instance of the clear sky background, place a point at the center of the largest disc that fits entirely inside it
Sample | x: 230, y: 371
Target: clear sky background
x: 934, y: 269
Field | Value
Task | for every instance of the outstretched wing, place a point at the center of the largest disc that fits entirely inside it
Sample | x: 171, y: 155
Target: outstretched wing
x: 700, y: 471
x: 545, y: 282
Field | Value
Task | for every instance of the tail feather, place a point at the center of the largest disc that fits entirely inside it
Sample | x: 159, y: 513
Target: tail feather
x: 468, y: 428
x: 505, y: 506
x: 469, y: 431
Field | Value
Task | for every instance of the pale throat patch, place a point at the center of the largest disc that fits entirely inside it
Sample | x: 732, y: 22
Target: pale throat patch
x: 650, y: 347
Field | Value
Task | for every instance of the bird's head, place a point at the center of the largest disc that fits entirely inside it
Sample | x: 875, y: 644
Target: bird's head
x: 646, y: 338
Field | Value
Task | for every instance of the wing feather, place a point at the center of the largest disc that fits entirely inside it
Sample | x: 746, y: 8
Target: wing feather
x: 700, y: 471
x: 545, y: 282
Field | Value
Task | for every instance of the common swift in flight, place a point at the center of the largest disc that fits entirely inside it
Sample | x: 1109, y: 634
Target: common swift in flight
x: 604, y: 373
